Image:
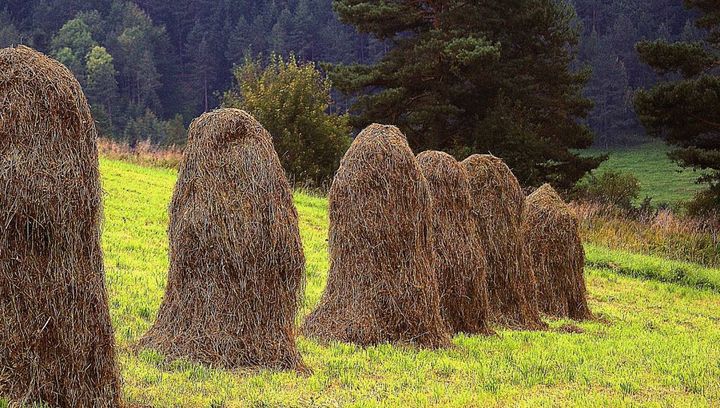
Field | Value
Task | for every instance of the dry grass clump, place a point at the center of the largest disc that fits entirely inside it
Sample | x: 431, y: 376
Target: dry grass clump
x: 658, y: 232
x: 459, y: 259
x: 556, y: 255
x: 382, y: 286
x: 56, y: 340
x: 144, y: 153
x: 497, y: 201
x: 236, y: 261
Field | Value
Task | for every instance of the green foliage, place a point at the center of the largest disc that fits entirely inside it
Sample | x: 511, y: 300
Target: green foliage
x: 689, y: 59
x: 149, y: 127
x: 292, y: 101
x: 654, y: 343
x: 705, y: 203
x: 102, y: 88
x: 610, y: 30
x: 686, y: 112
x: 471, y: 75
x: 75, y: 36
x: 175, y: 132
x: 617, y: 189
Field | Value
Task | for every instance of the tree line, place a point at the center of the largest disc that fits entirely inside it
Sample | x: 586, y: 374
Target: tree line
x: 532, y: 81
x: 150, y: 66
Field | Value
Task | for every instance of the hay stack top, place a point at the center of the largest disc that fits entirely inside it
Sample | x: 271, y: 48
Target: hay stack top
x: 35, y: 89
x: 383, y: 138
x: 545, y: 200
x: 493, y: 172
x: 383, y: 152
x: 226, y: 125
x: 439, y: 167
x: 47, y: 139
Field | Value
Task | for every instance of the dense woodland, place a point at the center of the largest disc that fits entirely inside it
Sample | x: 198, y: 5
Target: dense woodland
x: 148, y: 59
x: 610, y: 30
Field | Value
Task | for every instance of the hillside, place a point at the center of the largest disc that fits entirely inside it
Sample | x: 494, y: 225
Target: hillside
x: 660, y: 178
x: 654, y: 343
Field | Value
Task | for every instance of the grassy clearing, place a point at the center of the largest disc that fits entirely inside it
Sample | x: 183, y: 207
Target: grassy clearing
x: 653, y: 268
x: 657, y: 344
x: 660, y: 178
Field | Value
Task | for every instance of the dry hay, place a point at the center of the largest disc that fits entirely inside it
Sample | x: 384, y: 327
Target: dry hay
x: 236, y: 262
x: 460, y: 263
x: 56, y: 340
x: 556, y: 255
x: 497, y: 201
x: 381, y: 286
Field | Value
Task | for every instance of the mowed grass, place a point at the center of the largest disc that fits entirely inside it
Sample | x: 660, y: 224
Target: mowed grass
x: 660, y: 178
x: 654, y: 344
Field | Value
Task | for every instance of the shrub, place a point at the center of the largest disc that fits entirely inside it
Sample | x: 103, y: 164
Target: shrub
x: 610, y: 187
x: 705, y: 203
x: 292, y: 100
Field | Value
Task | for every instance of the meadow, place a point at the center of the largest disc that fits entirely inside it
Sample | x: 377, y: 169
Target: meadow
x: 655, y: 342
x: 660, y: 178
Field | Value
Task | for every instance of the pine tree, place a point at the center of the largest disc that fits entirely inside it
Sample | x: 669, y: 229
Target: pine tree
x: 686, y: 112
x: 475, y: 77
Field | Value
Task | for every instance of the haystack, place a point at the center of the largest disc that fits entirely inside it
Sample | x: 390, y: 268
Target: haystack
x: 382, y: 286
x: 236, y: 262
x: 556, y: 255
x: 56, y: 340
x: 459, y: 259
x: 497, y: 206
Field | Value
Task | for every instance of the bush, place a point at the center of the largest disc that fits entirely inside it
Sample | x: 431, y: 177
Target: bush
x: 614, y: 188
x: 291, y: 100
x: 705, y: 203
x: 149, y: 127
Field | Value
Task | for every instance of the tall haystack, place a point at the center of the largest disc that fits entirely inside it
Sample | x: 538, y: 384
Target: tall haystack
x: 556, y: 254
x: 382, y: 286
x: 459, y: 259
x: 56, y: 340
x: 497, y: 206
x: 236, y: 262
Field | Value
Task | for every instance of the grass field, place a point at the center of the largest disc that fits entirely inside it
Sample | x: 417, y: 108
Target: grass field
x: 656, y: 342
x: 660, y: 178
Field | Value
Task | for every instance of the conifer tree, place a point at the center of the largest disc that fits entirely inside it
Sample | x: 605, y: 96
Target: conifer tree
x: 476, y: 77
x: 686, y: 112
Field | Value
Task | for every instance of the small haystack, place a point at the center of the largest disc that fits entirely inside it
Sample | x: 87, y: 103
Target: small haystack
x: 556, y: 255
x: 459, y: 259
x: 497, y: 206
x: 56, y: 340
x: 236, y: 262
x: 382, y: 286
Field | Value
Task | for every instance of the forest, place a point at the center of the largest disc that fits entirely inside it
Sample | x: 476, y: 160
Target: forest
x: 150, y: 66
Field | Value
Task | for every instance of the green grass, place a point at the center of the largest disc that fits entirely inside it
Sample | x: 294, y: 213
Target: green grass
x: 660, y: 178
x: 653, y: 268
x: 655, y: 344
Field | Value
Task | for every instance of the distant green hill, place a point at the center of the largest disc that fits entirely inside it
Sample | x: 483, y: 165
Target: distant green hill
x: 660, y: 178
